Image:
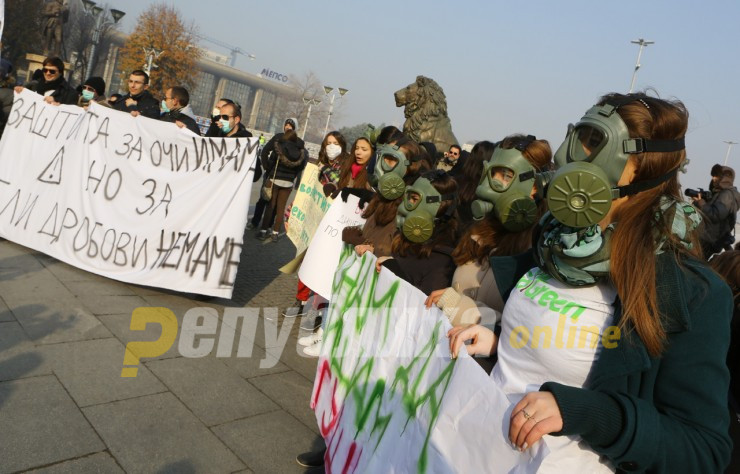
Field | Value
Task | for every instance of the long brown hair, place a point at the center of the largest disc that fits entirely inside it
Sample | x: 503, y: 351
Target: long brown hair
x: 473, y: 168
x: 489, y: 237
x: 323, y: 159
x: 445, y: 229
x: 346, y: 174
x: 633, y: 258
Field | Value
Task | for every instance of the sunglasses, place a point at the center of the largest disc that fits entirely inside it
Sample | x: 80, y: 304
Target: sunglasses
x: 50, y: 71
x: 222, y: 117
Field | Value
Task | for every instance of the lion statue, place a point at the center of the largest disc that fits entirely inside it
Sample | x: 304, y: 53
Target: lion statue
x: 426, y: 113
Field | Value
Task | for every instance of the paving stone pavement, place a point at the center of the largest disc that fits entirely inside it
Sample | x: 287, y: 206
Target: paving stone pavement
x: 64, y: 407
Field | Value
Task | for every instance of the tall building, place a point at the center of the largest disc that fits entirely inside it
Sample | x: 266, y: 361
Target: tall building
x: 261, y: 99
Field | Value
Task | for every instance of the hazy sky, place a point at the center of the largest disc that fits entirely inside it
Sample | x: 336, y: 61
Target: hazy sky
x: 506, y: 67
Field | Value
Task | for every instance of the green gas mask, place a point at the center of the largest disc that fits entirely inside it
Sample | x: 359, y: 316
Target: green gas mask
x: 417, y: 215
x: 590, y: 163
x: 390, y: 168
x: 506, y: 188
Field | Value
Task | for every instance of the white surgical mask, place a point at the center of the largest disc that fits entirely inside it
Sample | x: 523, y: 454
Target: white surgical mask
x: 215, y: 111
x: 225, y: 126
x: 333, y: 150
x: 88, y: 95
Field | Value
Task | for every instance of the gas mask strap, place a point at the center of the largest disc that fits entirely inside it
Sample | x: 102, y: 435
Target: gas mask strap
x: 640, y: 186
x: 641, y: 145
x: 525, y: 142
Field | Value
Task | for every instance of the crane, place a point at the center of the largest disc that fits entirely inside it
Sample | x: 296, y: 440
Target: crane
x: 233, y: 49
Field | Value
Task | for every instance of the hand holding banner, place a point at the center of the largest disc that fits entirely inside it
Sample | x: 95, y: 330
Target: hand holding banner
x: 133, y: 199
x: 387, y: 396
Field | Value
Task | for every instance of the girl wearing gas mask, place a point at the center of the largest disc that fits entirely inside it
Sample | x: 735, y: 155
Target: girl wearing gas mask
x: 397, y: 162
x: 505, y: 213
x: 427, y: 231
x: 616, y: 260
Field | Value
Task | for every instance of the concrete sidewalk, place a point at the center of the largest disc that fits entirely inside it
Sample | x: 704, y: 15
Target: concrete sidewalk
x: 65, y: 408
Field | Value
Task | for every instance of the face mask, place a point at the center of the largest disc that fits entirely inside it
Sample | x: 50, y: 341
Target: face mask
x: 225, y: 125
x: 417, y: 215
x: 88, y: 95
x: 589, y: 165
x: 165, y: 109
x: 505, y: 188
x: 388, y: 179
x: 333, y: 150
x: 215, y: 112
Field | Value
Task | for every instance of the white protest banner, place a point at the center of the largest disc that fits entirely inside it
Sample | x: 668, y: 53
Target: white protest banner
x: 134, y: 199
x: 322, y: 256
x: 309, y: 207
x: 387, y: 396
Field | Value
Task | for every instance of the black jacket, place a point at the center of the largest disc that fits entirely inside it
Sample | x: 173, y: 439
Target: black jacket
x: 63, y: 92
x: 427, y: 274
x: 720, y: 214
x: 214, y: 131
x: 174, y: 115
x: 289, y: 163
x: 146, y: 105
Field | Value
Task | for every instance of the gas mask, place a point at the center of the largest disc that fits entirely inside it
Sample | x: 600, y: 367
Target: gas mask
x: 388, y: 178
x: 589, y: 165
x: 417, y: 215
x: 569, y: 244
x: 506, y: 188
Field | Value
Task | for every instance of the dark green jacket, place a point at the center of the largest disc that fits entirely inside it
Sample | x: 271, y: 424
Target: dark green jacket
x: 667, y: 414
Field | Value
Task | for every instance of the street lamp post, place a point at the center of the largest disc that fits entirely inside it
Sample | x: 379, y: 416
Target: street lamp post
x: 310, y: 103
x: 330, y: 90
x: 99, y: 15
x: 151, y: 54
x: 643, y: 43
x: 729, y: 147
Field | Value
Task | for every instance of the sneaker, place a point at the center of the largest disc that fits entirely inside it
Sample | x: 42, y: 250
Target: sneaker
x: 314, y: 349
x: 295, y: 310
x: 311, y: 339
x: 251, y: 226
x: 274, y: 237
x: 311, y: 458
x: 262, y: 235
x: 311, y: 321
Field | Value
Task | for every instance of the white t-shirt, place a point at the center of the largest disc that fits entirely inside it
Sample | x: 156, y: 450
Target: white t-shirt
x: 552, y: 332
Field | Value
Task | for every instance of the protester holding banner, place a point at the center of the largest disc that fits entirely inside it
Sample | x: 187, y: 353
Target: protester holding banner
x: 333, y: 158
x: 510, y: 177
x: 93, y: 90
x: 427, y: 225
x: 649, y: 393
x: 354, y: 174
x: 52, y: 84
x: 400, y: 161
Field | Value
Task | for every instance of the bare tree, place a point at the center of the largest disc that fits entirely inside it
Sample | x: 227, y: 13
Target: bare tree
x: 310, y: 86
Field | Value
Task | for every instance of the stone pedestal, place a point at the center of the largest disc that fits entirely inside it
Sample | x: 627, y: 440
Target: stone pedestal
x: 36, y: 61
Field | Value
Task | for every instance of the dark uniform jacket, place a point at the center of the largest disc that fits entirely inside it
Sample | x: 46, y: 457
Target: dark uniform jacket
x: 146, y: 105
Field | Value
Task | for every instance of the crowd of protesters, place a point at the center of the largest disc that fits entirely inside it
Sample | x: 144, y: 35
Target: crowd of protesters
x: 468, y: 229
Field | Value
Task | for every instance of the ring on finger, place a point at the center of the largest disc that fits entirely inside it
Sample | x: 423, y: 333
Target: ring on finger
x: 528, y: 416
